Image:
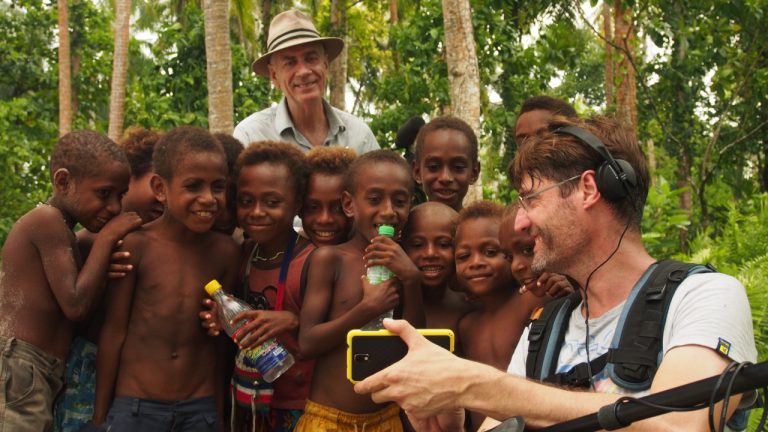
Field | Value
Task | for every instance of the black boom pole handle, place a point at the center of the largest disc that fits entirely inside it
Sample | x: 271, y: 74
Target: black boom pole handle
x: 750, y: 377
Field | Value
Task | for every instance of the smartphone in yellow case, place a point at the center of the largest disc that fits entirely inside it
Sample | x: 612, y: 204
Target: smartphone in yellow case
x: 369, y: 351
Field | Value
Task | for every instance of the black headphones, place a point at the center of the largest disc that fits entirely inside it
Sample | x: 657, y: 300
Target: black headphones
x: 615, y: 178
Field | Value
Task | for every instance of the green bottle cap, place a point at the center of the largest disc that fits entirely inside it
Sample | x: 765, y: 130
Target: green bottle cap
x: 387, y: 230
x: 212, y: 286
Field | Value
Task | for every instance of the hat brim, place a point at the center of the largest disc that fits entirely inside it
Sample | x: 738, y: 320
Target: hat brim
x: 333, y: 47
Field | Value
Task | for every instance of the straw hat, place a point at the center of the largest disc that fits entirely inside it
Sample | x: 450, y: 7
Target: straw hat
x: 291, y: 28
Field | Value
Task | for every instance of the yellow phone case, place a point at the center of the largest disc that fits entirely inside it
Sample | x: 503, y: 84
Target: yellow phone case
x: 369, y: 351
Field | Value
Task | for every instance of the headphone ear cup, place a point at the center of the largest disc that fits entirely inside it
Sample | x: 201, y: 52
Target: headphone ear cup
x: 630, y: 179
x: 611, y: 184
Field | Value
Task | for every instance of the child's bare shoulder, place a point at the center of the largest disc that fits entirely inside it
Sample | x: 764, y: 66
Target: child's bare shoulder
x: 139, y: 237
x: 326, y: 255
x: 42, y: 221
x: 468, y: 320
x: 223, y: 246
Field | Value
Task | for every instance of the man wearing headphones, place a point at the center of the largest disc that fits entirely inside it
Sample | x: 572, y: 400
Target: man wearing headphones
x: 582, y: 191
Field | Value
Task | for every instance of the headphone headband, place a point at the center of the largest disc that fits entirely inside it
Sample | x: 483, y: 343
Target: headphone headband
x: 615, y: 177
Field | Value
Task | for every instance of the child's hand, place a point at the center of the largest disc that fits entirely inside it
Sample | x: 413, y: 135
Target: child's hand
x: 210, y: 317
x: 386, y: 252
x: 262, y: 325
x: 116, y: 269
x: 120, y: 225
x: 382, y: 297
x: 549, y: 284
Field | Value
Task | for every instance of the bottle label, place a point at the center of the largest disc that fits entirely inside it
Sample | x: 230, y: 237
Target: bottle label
x: 265, y: 356
x: 379, y: 274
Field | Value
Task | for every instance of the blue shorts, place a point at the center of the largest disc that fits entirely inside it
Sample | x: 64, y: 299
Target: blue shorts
x: 75, y: 406
x: 129, y: 414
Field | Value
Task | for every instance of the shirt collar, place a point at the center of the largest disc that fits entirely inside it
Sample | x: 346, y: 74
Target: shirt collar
x: 283, y: 119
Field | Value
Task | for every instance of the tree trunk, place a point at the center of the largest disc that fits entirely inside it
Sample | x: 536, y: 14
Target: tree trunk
x: 266, y: 17
x: 463, y: 71
x: 338, y: 68
x: 764, y: 167
x: 119, y: 69
x: 219, y: 66
x: 650, y: 154
x: 626, y: 90
x: 393, y: 20
x: 608, y: 56
x: 65, y: 71
x: 681, y: 119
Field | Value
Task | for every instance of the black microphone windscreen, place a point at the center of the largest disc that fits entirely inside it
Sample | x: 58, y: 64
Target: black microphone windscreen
x: 406, y: 135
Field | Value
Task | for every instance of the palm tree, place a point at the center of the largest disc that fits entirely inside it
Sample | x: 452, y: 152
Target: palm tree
x: 65, y: 71
x: 219, y: 66
x: 119, y: 68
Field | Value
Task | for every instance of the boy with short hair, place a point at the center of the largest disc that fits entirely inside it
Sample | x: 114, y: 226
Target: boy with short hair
x: 490, y: 333
x: 138, y: 145
x: 446, y: 161
x: 536, y: 113
x: 428, y: 241
x: 45, y: 287
x: 378, y: 190
x: 162, y: 370
x: 518, y: 247
x: 323, y: 220
x: 74, y: 407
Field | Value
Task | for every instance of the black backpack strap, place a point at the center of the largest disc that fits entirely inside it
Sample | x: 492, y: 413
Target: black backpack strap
x: 546, y: 334
x: 578, y: 375
x: 633, y: 363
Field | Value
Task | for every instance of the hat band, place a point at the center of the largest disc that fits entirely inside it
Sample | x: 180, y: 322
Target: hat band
x: 290, y: 35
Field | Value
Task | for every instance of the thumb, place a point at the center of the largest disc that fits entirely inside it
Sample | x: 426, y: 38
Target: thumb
x: 406, y: 331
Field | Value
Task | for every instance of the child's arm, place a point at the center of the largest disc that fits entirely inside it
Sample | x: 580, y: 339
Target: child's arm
x: 549, y: 284
x: 385, y: 251
x: 318, y: 335
x: 228, y: 254
x: 76, y: 292
x: 117, y: 305
x: 262, y: 325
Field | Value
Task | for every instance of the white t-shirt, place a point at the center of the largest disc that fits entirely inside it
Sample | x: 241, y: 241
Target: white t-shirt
x: 708, y: 309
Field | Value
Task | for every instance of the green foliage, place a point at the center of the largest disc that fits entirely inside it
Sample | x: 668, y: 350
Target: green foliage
x: 92, y: 42
x: 740, y: 250
x: 663, y: 219
x: 169, y: 85
x: 417, y: 82
x: 28, y: 97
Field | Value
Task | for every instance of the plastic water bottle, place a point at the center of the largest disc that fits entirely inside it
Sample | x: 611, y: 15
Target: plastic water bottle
x: 377, y: 275
x: 271, y: 358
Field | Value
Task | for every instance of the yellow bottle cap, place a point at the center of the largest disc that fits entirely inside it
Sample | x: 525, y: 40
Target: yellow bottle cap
x: 212, y: 286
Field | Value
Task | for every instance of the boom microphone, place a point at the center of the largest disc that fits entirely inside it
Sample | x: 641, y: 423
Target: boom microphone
x: 406, y: 135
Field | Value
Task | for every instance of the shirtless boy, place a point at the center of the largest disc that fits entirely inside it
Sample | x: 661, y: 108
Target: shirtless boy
x: 446, y: 160
x: 322, y: 217
x: 518, y: 248
x: 428, y: 241
x: 490, y: 333
x: 45, y: 287
x: 160, y: 366
x: 377, y: 190
x: 74, y: 407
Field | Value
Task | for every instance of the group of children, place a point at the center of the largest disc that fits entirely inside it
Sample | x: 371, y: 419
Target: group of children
x: 162, y: 362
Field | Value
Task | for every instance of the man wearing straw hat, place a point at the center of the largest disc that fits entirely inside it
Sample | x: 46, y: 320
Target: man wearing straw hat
x: 296, y: 62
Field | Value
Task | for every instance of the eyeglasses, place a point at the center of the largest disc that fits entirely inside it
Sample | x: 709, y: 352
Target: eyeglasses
x: 524, y: 200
